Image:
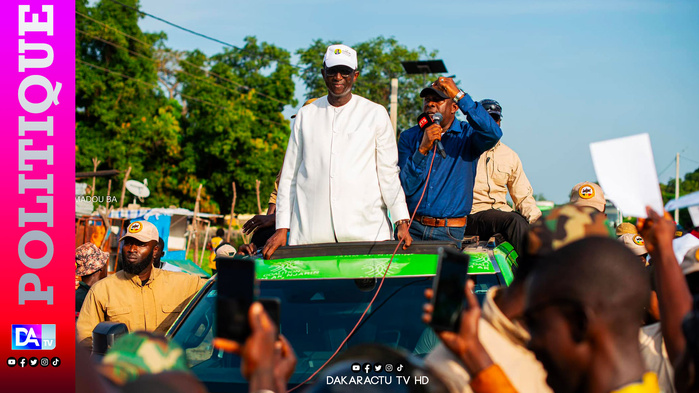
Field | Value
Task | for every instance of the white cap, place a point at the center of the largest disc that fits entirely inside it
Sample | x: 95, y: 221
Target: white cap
x: 143, y: 231
x: 225, y: 250
x: 690, y: 264
x: 634, y: 242
x: 340, y: 55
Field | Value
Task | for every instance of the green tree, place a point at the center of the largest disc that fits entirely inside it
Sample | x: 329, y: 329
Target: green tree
x: 122, y: 117
x: 378, y: 62
x: 688, y: 185
x: 233, y: 132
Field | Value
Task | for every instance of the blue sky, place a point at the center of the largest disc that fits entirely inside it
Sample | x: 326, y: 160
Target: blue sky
x: 567, y: 73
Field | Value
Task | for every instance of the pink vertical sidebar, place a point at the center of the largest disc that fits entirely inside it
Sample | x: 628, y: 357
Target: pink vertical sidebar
x: 49, y: 229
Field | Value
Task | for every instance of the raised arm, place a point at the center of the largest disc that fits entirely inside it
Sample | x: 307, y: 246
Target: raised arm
x: 674, y: 298
x: 486, y: 132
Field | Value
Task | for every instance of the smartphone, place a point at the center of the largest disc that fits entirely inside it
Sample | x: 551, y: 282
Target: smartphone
x: 273, y: 308
x: 448, y: 285
x: 237, y: 289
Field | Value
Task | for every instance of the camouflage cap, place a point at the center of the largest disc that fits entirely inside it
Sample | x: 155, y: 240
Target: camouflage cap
x: 588, y: 194
x: 564, y: 225
x: 89, y: 259
x: 635, y: 243
x: 626, y: 227
x: 141, y: 353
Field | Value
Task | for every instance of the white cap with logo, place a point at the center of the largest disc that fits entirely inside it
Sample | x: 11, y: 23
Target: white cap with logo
x: 588, y: 194
x: 634, y: 242
x: 340, y: 55
x: 142, y: 231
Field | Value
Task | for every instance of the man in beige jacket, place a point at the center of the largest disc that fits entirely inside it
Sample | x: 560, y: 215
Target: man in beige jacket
x: 500, y: 171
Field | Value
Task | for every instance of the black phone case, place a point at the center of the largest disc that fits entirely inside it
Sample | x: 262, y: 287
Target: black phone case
x: 236, y: 292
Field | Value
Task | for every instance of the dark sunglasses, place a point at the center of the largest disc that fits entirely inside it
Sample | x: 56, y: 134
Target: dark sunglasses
x: 344, y: 71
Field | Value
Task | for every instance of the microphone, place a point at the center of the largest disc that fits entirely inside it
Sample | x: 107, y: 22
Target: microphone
x: 437, y: 118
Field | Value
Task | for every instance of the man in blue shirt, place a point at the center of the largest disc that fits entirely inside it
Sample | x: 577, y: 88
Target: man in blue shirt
x: 449, y: 194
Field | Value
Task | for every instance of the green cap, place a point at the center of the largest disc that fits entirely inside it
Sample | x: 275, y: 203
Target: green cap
x: 141, y: 353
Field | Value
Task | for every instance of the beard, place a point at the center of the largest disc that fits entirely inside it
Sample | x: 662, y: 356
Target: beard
x: 137, y: 268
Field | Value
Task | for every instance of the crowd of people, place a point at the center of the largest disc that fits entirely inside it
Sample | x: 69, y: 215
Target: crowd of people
x: 589, y: 309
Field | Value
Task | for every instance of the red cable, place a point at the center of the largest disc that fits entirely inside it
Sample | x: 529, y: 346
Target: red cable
x: 434, y: 153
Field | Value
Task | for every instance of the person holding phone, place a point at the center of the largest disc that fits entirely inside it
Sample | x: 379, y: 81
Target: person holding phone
x: 500, y: 329
x: 339, y: 181
x: 464, y: 342
x: 447, y: 200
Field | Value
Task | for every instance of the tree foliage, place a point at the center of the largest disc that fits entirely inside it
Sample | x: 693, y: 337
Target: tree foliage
x: 122, y: 119
x: 243, y: 137
x: 378, y: 62
x: 182, y: 118
x: 178, y: 119
x: 688, y: 185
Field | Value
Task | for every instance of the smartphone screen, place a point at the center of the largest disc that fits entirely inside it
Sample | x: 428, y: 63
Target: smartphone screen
x: 448, y: 285
x: 273, y: 308
x: 236, y: 292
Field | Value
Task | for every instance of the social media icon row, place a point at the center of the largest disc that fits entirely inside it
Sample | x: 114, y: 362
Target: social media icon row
x: 33, y: 362
x: 376, y: 367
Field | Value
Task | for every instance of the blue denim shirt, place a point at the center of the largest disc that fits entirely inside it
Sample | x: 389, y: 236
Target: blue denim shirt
x: 450, y: 190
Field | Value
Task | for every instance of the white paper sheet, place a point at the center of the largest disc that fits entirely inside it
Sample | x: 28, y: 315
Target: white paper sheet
x: 683, y: 201
x: 626, y: 172
x: 683, y: 244
x: 694, y: 213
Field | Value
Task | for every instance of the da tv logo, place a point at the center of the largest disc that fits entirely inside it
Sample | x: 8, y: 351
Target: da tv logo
x: 33, y: 337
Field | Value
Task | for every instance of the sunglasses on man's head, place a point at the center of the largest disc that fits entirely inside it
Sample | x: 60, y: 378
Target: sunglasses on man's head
x: 344, y: 71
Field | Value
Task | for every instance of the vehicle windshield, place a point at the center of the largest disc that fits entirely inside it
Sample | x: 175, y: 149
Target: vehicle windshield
x: 316, y: 316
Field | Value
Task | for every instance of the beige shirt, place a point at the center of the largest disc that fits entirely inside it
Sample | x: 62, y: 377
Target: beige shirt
x: 505, y: 342
x: 122, y: 298
x: 500, y: 171
x: 655, y: 356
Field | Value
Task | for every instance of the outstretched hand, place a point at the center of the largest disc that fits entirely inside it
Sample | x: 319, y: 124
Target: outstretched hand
x: 465, y: 343
x: 258, y: 222
x: 657, y: 232
x: 267, y: 362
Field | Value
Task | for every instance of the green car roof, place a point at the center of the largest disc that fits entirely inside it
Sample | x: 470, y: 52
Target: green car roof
x: 366, y: 266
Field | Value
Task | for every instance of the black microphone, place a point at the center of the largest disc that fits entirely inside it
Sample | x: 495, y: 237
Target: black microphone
x: 437, y: 118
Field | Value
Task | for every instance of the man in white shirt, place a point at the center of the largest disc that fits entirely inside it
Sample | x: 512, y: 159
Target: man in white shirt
x: 340, y: 175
